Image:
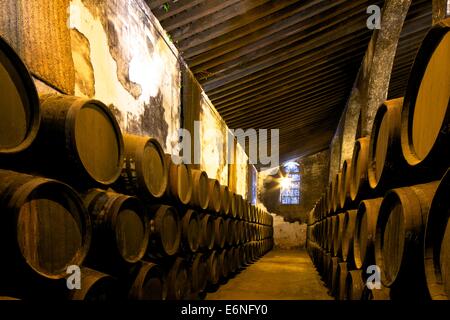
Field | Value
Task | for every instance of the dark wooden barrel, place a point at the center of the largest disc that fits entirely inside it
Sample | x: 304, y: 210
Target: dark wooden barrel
x: 230, y: 258
x: 165, y: 232
x: 354, y: 285
x: 233, y: 204
x: 382, y: 294
x: 19, y: 103
x: 224, y: 271
x: 198, y: 273
x: 326, y: 263
x: 425, y: 115
x: 178, y: 283
x: 344, y: 186
x: 386, y: 163
x: 79, y: 141
x: 207, y: 234
x: 334, y: 221
x: 329, y: 199
x: 348, y: 235
x: 200, y: 189
x: 335, y: 205
x: 224, y: 200
x: 190, y: 231
x: 144, y: 172
x: 359, y: 184
x: 44, y: 228
x: 241, y: 206
x: 179, y: 185
x: 228, y: 225
x: 332, y: 275
x: 219, y: 232
x: 120, y: 229
x: 214, y: 195
x: 341, y: 277
x: 437, y: 243
x: 213, y: 268
x: 365, y: 226
x: 95, y: 286
x: 399, y: 237
x: 337, y: 234
x: 147, y: 282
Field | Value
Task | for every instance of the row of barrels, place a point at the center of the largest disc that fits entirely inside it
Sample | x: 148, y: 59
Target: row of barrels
x: 78, y: 141
x: 409, y: 142
x: 386, y: 208
x: 47, y: 226
x: 75, y: 191
x: 405, y: 234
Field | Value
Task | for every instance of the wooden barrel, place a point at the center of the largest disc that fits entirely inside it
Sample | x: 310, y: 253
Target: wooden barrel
x: 214, y: 195
x: 341, y: 277
x: 331, y: 235
x: 228, y: 231
x: 44, y: 228
x: 19, y: 103
x: 213, y: 268
x: 335, y: 205
x: 232, y: 267
x: 190, y: 231
x: 241, y: 206
x: 330, y: 199
x: 233, y: 204
x: 198, y: 273
x: 236, y: 259
x: 120, y: 229
x: 359, y: 184
x: 354, y: 285
x: 148, y: 282
x: 179, y: 185
x: 95, y: 286
x: 437, y: 243
x: 386, y: 163
x: 224, y: 200
x: 165, y: 232
x: 178, y: 284
x: 79, y: 141
x: 344, y: 186
x: 365, y: 227
x: 399, y: 237
x: 207, y: 234
x: 382, y: 294
x: 222, y: 260
x: 425, y: 115
x: 348, y: 235
x: 337, y: 234
x: 145, y: 170
x: 332, y: 275
x: 200, y: 189
x: 219, y: 232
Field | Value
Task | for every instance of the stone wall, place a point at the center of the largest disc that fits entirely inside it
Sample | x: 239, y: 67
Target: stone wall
x: 118, y: 53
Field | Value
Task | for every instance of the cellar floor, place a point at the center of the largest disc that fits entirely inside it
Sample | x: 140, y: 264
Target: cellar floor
x: 279, y: 275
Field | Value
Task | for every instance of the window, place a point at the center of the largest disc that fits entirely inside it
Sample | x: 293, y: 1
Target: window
x: 290, y: 184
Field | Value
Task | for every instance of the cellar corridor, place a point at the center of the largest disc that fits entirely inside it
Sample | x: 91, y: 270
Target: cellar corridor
x: 279, y: 275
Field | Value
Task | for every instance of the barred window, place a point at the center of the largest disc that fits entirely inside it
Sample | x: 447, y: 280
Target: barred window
x: 290, y: 184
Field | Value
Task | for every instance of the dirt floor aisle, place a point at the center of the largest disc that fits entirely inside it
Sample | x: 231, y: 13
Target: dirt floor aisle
x: 279, y: 275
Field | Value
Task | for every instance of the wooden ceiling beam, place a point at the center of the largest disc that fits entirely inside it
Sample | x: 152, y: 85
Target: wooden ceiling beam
x: 185, y: 41
x: 276, y: 41
x: 304, y: 17
x: 253, y: 66
x: 191, y: 18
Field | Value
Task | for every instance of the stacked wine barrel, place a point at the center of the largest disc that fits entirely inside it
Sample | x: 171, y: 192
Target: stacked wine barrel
x: 81, y: 200
x: 387, y: 211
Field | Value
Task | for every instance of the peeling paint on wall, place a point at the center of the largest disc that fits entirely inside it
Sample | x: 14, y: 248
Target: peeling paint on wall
x: 130, y: 67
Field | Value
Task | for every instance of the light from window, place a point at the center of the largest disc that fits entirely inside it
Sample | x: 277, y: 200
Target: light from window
x: 290, y: 184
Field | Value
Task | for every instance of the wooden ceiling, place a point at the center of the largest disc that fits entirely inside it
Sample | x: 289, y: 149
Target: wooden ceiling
x: 281, y: 64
